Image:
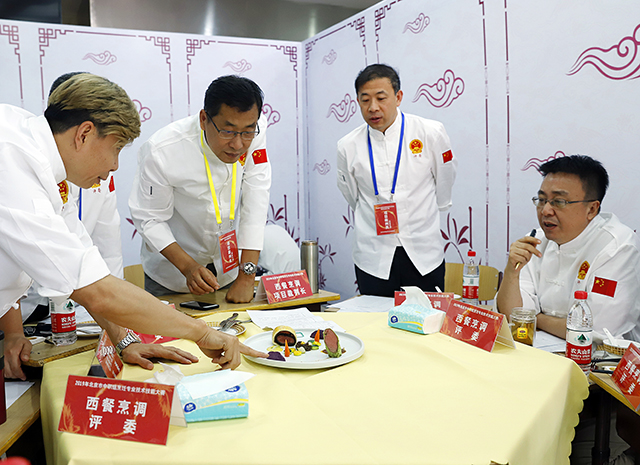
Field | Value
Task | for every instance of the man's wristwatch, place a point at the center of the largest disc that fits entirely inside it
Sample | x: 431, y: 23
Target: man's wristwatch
x: 126, y: 341
x: 248, y: 268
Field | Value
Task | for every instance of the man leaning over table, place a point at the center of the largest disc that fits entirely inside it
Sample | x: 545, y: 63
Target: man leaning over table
x: 86, y: 124
x: 98, y: 211
x: 402, y: 166
x: 201, y: 180
x: 577, y: 248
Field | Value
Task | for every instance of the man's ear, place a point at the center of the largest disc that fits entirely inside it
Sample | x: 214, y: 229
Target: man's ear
x: 203, y: 118
x: 594, y: 209
x: 83, y: 130
x: 399, y: 98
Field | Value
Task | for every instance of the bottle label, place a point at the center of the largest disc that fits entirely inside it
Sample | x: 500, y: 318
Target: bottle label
x: 470, y: 286
x: 63, y: 322
x: 579, y: 346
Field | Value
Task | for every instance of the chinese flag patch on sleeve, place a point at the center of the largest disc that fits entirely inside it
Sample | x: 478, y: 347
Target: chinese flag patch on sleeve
x: 259, y: 156
x: 604, y: 286
x: 447, y: 156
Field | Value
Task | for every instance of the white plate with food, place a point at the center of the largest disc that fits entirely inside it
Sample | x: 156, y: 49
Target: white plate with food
x: 352, y: 348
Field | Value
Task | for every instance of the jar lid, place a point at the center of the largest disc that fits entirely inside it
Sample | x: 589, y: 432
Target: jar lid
x: 471, y: 253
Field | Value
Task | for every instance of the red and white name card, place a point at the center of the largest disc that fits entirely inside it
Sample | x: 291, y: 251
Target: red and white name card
x: 108, y: 358
x: 439, y: 300
x: 283, y: 287
x: 476, y: 326
x: 117, y: 409
x: 154, y: 339
x: 627, y: 375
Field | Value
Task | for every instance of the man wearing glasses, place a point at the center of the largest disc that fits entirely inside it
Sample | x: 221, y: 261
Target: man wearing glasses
x: 581, y: 249
x: 199, y: 232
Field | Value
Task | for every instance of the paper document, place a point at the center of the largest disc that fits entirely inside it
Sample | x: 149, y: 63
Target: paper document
x: 548, y: 342
x: 365, y: 303
x: 14, y: 389
x: 297, y: 318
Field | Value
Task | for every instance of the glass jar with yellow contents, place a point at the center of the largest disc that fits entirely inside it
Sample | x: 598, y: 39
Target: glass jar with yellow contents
x: 523, y: 325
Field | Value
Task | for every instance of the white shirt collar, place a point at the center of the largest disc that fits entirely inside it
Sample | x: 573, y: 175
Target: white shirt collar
x: 41, y: 133
x: 392, y: 131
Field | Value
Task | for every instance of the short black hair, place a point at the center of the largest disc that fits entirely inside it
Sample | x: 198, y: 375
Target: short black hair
x: 62, y: 78
x: 378, y: 71
x: 235, y: 92
x: 594, y: 177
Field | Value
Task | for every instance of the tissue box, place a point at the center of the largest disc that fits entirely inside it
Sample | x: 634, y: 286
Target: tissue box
x: 416, y: 318
x: 230, y: 403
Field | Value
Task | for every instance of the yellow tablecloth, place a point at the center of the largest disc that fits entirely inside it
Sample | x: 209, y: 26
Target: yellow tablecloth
x: 410, y: 399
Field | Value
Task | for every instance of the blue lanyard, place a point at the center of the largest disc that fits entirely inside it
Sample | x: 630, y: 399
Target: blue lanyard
x: 373, y: 169
x: 80, y: 205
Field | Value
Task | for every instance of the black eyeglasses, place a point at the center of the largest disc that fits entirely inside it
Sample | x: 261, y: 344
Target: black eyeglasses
x: 228, y: 135
x: 558, y: 204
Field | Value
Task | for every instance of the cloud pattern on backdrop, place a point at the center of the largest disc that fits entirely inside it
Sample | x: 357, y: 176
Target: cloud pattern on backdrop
x: 418, y: 25
x: 618, y: 62
x: 343, y: 110
x: 104, y: 58
x: 443, y: 92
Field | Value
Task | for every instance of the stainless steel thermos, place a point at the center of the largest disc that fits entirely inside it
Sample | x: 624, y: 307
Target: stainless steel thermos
x: 309, y: 262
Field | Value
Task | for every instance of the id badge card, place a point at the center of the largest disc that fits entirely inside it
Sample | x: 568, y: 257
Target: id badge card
x: 228, y: 250
x: 386, y: 218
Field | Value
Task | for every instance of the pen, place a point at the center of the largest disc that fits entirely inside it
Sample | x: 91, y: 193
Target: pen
x: 532, y: 234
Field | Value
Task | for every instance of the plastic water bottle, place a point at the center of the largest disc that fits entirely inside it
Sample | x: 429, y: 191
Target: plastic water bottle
x: 580, y: 332
x: 63, y: 322
x: 470, y: 280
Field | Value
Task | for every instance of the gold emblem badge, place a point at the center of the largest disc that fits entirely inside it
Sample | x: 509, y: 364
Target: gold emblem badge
x: 243, y: 159
x: 582, y: 272
x: 416, y: 146
x: 64, y: 191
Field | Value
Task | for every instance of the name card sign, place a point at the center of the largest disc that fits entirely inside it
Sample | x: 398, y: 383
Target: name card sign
x: 283, y: 287
x: 476, y: 326
x: 627, y: 375
x: 439, y: 300
x: 154, y: 339
x: 117, y: 409
x: 108, y: 358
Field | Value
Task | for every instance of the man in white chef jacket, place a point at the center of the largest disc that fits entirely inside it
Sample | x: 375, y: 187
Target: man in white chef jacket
x: 201, y: 194
x: 97, y: 209
x: 396, y: 172
x: 86, y: 124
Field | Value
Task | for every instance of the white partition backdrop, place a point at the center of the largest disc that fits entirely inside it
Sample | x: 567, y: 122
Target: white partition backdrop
x: 166, y: 76
x: 515, y: 83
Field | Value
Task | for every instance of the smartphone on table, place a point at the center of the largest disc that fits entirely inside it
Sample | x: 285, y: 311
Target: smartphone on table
x: 197, y: 305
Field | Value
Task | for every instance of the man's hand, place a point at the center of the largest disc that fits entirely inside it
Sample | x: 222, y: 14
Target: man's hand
x: 521, y: 252
x: 17, y: 349
x: 225, y: 350
x: 139, y: 354
x: 241, y: 291
x: 201, y: 280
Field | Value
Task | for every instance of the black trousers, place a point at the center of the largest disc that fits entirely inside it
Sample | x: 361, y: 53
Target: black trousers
x: 403, y: 273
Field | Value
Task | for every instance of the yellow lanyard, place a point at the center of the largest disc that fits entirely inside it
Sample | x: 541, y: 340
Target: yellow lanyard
x: 232, y: 213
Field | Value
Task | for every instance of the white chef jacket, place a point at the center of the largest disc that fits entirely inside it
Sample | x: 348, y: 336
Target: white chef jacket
x: 609, y: 250
x: 280, y: 253
x: 97, y: 209
x: 171, y: 201
x: 35, y: 241
x: 425, y: 179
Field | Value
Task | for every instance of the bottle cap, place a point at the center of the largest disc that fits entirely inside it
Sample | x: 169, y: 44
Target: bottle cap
x: 471, y: 253
x: 582, y: 295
